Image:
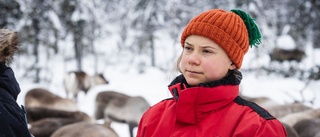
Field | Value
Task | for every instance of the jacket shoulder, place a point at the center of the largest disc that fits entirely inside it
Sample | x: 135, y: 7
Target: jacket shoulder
x: 159, y: 107
x: 258, y: 109
x: 163, y: 103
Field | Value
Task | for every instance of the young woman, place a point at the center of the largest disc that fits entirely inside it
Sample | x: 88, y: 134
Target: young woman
x: 206, y: 98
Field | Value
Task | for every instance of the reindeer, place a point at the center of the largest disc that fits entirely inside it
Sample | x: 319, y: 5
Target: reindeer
x: 121, y: 108
x: 291, y: 132
x: 43, y: 121
x: 40, y: 97
x: 280, y: 111
x: 38, y: 113
x: 85, y: 129
x: 317, y: 135
x: 45, y: 127
x: 262, y: 101
x: 308, y: 127
x: 276, y: 109
x: 76, y: 81
x: 293, y: 118
x: 281, y: 55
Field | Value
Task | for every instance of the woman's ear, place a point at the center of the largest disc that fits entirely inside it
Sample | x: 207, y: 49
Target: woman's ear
x: 232, y: 66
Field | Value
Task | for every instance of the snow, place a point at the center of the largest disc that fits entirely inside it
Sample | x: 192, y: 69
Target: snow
x: 151, y: 83
x: 286, y: 42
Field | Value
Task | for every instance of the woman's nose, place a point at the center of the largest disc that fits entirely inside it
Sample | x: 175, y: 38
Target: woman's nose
x: 194, y: 59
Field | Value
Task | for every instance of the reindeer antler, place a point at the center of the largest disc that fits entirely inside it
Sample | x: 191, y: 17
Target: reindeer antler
x: 8, y: 45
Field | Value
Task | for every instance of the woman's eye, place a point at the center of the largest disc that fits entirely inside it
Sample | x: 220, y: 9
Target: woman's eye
x: 207, y: 51
x: 187, y: 48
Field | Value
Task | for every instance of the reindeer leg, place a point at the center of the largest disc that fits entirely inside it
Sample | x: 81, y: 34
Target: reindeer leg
x: 131, y: 127
x: 131, y: 130
x: 75, y: 97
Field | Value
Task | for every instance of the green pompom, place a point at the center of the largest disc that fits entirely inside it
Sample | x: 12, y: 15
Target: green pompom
x: 253, y: 30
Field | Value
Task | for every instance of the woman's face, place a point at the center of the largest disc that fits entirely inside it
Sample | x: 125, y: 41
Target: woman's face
x: 203, y: 60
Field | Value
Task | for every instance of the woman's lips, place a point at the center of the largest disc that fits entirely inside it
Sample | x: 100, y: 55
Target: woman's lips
x: 193, y: 72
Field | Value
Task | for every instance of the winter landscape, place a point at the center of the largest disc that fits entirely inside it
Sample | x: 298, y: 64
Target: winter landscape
x: 152, y: 84
x: 134, y: 44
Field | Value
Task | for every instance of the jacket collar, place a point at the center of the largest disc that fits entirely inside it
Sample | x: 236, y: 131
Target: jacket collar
x: 193, y: 104
x: 9, y: 86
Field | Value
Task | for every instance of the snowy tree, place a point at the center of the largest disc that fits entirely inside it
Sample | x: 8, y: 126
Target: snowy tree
x: 10, y: 13
x: 72, y: 28
x: 37, y: 33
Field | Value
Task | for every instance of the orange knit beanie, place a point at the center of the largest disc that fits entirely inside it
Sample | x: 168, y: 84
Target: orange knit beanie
x: 228, y: 29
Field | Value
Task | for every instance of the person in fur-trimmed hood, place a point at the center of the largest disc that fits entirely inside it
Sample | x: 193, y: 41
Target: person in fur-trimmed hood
x: 12, y: 116
x: 206, y: 101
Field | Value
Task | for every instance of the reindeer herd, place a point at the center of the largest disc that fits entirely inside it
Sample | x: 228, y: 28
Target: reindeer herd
x: 50, y: 115
x: 298, y: 119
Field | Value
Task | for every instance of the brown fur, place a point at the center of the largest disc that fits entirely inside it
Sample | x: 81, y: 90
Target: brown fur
x: 261, y: 101
x: 103, y: 99
x: 308, y: 127
x: 120, y: 108
x: 317, y: 135
x: 45, y: 127
x: 76, y: 81
x: 291, y: 132
x: 293, y: 118
x: 38, y: 113
x: 9, y: 44
x: 80, y: 79
x: 276, y: 109
x: 43, y: 121
x: 39, y: 97
x: 287, y: 55
x: 85, y: 129
x: 283, y: 110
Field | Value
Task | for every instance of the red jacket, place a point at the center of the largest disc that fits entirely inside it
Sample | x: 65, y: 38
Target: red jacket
x: 208, y: 112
